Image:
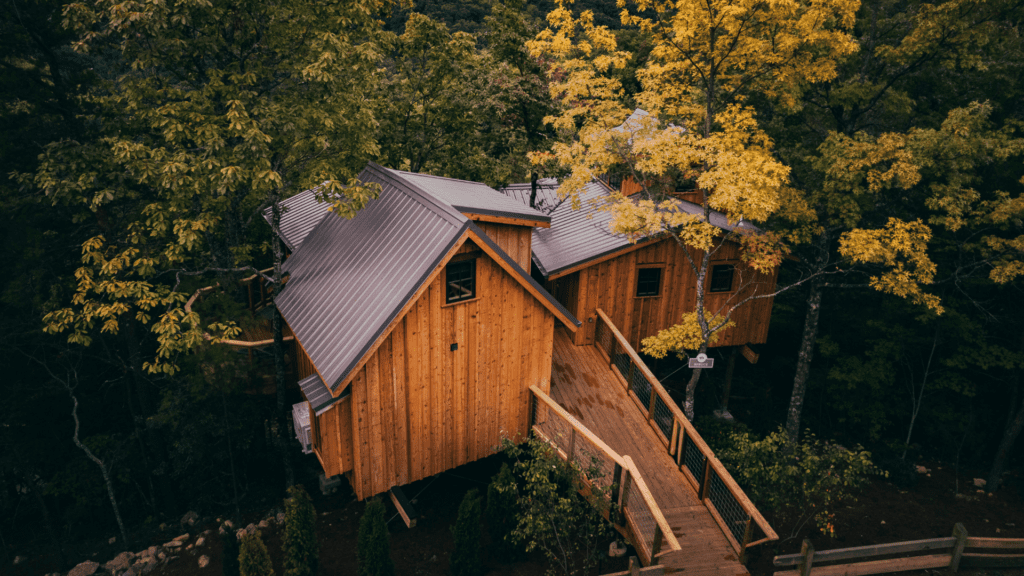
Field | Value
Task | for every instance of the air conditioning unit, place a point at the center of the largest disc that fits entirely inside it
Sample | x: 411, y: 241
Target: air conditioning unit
x: 300, y: 419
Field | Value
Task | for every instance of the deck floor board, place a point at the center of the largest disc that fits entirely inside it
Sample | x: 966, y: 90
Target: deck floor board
x: 584, y: 384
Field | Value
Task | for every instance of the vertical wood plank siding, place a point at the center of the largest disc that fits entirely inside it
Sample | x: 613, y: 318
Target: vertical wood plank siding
x: 333, y: 438
x: 514, y: 240
x: 419, y: 408
x: 611, y: 286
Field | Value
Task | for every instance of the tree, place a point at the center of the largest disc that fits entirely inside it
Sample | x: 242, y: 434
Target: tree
x: 373, y: 547
x: 301, y: 550
x: 701, y: 133
x: 253, y: 558
x: 465, y: 560
x: 501, y: 514
x: 557, y: 514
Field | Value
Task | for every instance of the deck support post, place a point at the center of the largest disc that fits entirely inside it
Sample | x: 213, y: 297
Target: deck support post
x: 747, y: 533
x: 672, y: 440
x: 682, y: 447
x: 613, y: 514
x: 572, y: 446
x: 705, y: 481
x: 650, y: 405
x: 656, y: 544
x: 960, y: 533
x: 624, y: 494
x: 807, y: 553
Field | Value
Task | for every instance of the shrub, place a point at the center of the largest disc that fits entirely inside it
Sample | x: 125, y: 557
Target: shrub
x: 373, y: 552
x: 553, y: 516
x: 230, y: 550
x: 254, y: 560
x: 466, y: 531
x: 301, y: 550
x: 797, y: 483
x: 501, y: 514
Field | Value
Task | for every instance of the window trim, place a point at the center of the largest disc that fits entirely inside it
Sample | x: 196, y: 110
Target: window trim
x: 711, y: 270
x: 661, y: 280
x: 468, y: 257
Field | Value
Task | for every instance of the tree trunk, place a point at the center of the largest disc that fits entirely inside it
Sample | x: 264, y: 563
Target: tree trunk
x: 533, y: 189
x: 279, y: 350
x: 804, y: 358
x: 103, y: 470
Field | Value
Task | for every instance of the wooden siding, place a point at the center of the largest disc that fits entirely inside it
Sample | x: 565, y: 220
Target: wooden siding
x: 514, y: 240
x: 418, y: 408
x: 611, y: 286
x: 332, y: 438
x: 303, y: 367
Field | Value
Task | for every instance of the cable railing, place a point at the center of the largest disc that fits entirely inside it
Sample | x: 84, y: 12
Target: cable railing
x: 632, y: 507
x: 724, y: 499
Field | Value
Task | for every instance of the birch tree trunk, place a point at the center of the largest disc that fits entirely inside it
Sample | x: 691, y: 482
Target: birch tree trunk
x: 803, y: 362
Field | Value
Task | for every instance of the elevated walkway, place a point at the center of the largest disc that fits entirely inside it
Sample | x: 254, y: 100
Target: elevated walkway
x: 679, y: 506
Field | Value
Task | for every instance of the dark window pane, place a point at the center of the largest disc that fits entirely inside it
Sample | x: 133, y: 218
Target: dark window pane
x: 460, y: 278
x: 648, y: 282
x: 721, y: 278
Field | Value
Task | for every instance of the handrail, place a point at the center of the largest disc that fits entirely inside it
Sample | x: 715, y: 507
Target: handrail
x: 624, y: 462
x: 690, y: 432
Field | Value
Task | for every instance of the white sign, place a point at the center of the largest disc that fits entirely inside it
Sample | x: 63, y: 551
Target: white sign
x: 702, y: 361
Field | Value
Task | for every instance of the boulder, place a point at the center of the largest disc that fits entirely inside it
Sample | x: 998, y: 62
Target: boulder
x: 112, y: 540
x: 229, y: 524
x: 161, y: 556
x: 172, y: 544
x: 264, y: 524
x: 980, y: 482
x: 152, y: 551
x: 182, y: 538
x: 921, y: 469
x: 190, y: 518
x: 204, y: 561
x: 120, y: 562
x: 251, y: 528
x: 221, y: 531
x: 87, y: 568
x: 129, y: 572
x: 200, y: 541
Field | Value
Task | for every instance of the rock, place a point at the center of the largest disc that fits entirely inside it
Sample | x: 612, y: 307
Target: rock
x: 921, y: 469
x: 980, y: 482
x: 240, y: 533
x: 229, y: 524
x: 264, y: 524
x: 190, y: 518
x: 221, y: 531
x: 87, y: 568
x: 182, y: 538
x: 616, y: 550
x: 883, y: 521
x: 19, y: 560
x: 172, y: 544
x: 130, y: 572
x: 120, y: 562
x: 203, y: 561
x: 997, y: 530
x: 161, y: 556
x: 152, y: 551
x: 112, y: 540
x: 280, y: 517
x: 189, y: 547
x: 251, y: 528
x: 200, y: 541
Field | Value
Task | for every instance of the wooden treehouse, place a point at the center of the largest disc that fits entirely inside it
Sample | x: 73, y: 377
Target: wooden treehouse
x: 421, y: 339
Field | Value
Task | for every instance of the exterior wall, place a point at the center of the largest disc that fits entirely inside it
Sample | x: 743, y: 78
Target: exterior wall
x: 418, y: 408
x: 514, y: 240
x: 611, y: 286
x: 331, y: 431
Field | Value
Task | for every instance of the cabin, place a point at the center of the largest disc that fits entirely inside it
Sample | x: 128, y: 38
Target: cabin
x: 645, y: 286
x: 421, y: 338
x: 418, y: 331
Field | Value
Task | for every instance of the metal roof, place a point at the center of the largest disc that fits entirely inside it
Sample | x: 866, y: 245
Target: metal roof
x: 577, y: 236
x: 349, y: 279
x: 301, y: 214
x: 547, y: 194
x: 472, y: 197
x: 317, y: 393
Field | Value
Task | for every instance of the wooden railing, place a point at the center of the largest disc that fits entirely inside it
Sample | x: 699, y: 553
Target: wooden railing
x: 265, y: 296
x: 632, y: 507
x: 953, y: 552
x: 724, y: 499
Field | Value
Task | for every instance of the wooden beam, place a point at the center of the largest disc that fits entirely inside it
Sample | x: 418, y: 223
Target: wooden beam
x: 749, y: 354
x: 659, y: 518
x: 878, y: 566
x: 577, y: 426
x: 1001, y: 543
x: 960, y: 534
x: 871, y: 550
x: 404, y: 506
x: 506, y: 220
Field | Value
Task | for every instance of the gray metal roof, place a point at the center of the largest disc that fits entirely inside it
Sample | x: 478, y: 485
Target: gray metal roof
x: 472, y: 197
x: 350, y: 278
x: 317, y: 393
x: 577, y: 236
x: 301, y: 214
x: 547, y: 194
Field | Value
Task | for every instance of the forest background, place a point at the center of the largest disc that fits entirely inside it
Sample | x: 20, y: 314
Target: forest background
x: 109, y: 211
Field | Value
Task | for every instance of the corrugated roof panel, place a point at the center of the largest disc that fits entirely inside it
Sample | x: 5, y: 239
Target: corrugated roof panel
x: 301, y: 214
x: 351, y: 277
x: 316, y: 392
x: 472, y: 197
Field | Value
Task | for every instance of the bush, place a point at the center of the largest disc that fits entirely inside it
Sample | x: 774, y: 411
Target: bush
x: 254, y: 560
x: 301, y: 550
x: 229, y: 563
x: 466, y: 556
x: 501, y: 514
x: 373, y: 552
x: 552, y: 515
x: 796, y: 483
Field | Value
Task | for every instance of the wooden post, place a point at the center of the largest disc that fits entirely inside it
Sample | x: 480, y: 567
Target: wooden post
x: 960, y: 533
x: 634, y: 566
x: 682, y: 446
x: 675, y: 436
x: 729, y: 368
x: 613, y: 514
x: 654, y: 398
x: 571, y: 448
x: 624, y: 494
x: 747, y: 533
x: 533, y: 412
x: 807, y: 551
x: 656, y: 544
x: 705, y: 481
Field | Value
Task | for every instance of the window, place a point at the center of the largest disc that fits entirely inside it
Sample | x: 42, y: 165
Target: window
x: 615, y: 181
x: 460, y: 279
x: 648, y: 282
x: 721, y: 278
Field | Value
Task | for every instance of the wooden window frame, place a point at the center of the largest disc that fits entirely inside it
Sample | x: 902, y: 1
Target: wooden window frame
x: 467, y: 257
x: 661, y: 280
x: 711, y: 271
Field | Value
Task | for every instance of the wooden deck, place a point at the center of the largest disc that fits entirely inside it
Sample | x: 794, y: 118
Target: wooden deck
x: 584, y: 384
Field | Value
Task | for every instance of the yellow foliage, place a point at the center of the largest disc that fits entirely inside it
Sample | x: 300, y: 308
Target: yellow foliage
x: 687, y: 335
